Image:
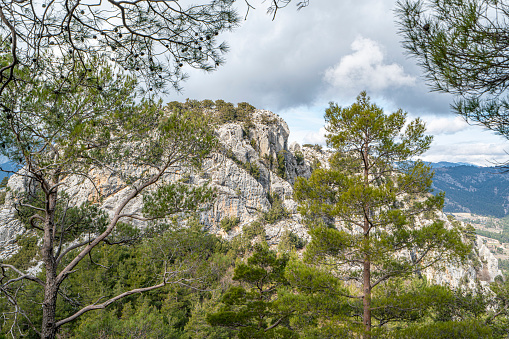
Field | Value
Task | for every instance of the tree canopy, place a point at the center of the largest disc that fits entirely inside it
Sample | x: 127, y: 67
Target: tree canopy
x: 62, y: 130
x: 367, y: 212
x: 150, y: 39
x: 462, y: 46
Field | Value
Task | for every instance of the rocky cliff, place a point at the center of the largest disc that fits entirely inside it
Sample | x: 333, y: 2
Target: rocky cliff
x: 255, y: 164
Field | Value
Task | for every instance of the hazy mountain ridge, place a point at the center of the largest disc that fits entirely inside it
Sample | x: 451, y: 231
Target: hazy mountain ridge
x: 473, y: 189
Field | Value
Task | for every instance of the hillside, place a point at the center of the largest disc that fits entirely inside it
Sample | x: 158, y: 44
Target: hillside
x: 241, y: 237
x: 256, y: 164
x: 472, y: 189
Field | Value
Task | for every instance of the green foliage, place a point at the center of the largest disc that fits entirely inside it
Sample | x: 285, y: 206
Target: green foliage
x: 243, y: 243
x: 454, y: 44
x: 227, y: 112
x: 253, y: 143
x: 3, y: 183
x: 85, y: 117
x: 503, y: 265
x: 164, y: 38
x: 228, y: 223
x: 143, y: 321
x: 290, y: 241
x: 2, y: 197
x: 251, y: 167
x: 267, y: 120
x: 281, y: 164
x: 277, y: 211
x: 252, y: 306
x: 175, y: 198
x: 195, y: 259
x: 28, y: 252
x: 443, y: 330
x: 363, y: 211
x: 316, y: 147
x: 299, y: 157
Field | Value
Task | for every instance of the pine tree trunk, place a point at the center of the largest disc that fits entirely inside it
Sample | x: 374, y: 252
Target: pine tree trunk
x: 366, y: 273
x: 49, y: 330
x: 366, y: 285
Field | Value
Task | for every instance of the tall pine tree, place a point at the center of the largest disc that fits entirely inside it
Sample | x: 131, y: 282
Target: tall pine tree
x: 371, y: 215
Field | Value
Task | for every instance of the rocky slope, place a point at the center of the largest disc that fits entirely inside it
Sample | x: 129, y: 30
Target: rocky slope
x: 256, y: 161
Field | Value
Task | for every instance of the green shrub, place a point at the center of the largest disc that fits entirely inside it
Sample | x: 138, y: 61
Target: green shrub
x: 242, y: 243
x: 228, y: 223
x: 245, y: 107
x: 3, y: 184
x: 290, y: 241
x: 227, y: 112
x: 248, y: 123
x: 253, y: 169
x: 281, y: 164
x: 299, y: 157
x: 207, y: 103
x: 28, y: 251
x: 315, y: 164
x: 316, y: 147
x: 253, y: 143
x: 277, y: 211
x: 267, y: 120
x: 2, y: 197
x: 253, y: 230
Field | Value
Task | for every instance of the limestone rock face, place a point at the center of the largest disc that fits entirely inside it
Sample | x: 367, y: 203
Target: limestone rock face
x: 255, y: 161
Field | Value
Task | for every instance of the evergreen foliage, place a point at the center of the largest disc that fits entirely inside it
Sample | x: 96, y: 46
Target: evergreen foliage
x: 362, y: 212
x: 252, y: 307
x: 87, y: 118
x: 228, y: 223
x: 150, y: 39
x: 462, y: 47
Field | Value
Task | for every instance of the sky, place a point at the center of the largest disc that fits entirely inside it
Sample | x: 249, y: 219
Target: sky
x: 327, y: 52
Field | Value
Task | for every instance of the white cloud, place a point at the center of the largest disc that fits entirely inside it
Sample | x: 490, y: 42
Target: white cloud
x: 482, y: 154
x: 448, y: 125
x: 365, y: 69
x: 315, y: 137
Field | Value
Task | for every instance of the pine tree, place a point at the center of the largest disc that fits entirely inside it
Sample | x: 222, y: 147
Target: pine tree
x: 367, y: 212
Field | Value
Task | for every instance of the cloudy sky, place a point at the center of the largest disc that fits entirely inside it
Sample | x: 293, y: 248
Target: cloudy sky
x: 331, y: 51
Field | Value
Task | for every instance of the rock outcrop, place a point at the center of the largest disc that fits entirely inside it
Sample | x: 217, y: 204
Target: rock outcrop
x: 255, y: 161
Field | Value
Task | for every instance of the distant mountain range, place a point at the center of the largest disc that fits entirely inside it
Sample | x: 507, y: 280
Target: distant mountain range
x: 449, y: 164
x: 473, y: 189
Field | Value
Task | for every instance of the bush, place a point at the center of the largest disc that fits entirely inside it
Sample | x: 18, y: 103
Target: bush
x: 277, y: 211
x: 299, y: 157
x: 316, y: 147
x: 281, y: 164
x: 207, y: 103
x: 290, y: 241
x: 27, y: 253
x: 2, y: 197
x: 253, y: 143
x: 227, y: 112
x: 267, y: 120
x: 3, y: 184
x: 253, y: 230
x: 228, y: 223
x: 253, y: 169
